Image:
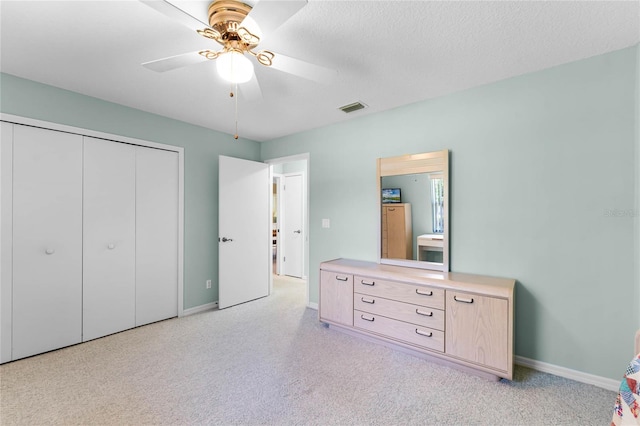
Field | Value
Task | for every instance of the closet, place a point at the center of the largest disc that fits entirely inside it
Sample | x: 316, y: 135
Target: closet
x: 94, y: 227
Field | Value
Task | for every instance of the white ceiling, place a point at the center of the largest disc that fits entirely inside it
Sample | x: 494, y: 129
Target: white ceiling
x: 387, y: 54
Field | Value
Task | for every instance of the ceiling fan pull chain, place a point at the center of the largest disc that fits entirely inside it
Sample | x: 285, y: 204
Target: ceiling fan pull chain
x: 236, y: 135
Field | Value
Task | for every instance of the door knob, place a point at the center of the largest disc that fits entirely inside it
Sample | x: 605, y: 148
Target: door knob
x: 296, y: 232
x: 111, y: 246
x: 225, y: 239
x: 49, y: 251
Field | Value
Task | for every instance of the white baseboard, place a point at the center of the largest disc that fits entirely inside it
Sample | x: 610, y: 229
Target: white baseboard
x: 201, y: 308
x: 312, y: 305
x: 578, y: 376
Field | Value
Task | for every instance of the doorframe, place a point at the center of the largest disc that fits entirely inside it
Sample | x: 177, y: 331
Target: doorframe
x: 305, y: 212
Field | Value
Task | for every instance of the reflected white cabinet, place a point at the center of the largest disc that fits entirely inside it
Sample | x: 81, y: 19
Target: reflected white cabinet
x: 91, y: 239
x: 47, y: 240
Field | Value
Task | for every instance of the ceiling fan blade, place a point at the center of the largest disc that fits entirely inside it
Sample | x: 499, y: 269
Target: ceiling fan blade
x: 251, y: 89
x: 303, y: 69
x: 174, y: 62
x: 176, y: 13
x: 270, y: 14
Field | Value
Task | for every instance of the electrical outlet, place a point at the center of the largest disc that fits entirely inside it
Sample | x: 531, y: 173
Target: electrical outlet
x: 208, y: 283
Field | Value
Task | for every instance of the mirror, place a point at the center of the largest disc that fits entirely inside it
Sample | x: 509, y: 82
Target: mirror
x: 414, y: 210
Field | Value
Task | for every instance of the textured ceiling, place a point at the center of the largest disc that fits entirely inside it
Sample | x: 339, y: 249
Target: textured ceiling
x: 387, y: 54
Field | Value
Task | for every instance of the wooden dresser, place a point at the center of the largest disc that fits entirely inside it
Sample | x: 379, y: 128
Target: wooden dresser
x: 397, y: 233
x: 458, y: 318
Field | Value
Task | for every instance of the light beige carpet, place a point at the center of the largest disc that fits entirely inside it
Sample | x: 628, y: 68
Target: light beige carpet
x: 271, y: 362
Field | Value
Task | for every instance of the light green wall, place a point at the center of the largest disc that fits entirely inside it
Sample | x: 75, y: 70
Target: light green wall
x: 538, y: 163
x: 294, y: 167
x: 201, y: 149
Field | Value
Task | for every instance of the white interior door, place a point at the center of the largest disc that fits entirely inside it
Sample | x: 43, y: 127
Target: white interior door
x: 244, y: 241
x: 47, y: 240
x: 292, y: 230
x: 109, y: 250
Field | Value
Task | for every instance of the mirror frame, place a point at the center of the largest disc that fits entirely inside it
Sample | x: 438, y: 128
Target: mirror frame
x: 428, y: 162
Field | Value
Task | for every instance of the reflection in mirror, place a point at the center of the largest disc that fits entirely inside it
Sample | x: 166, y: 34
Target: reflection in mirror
x: 417, y: 211
x: 414, y: 211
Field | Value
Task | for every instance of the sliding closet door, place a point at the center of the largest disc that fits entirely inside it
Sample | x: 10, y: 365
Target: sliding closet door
x: 156, y: 235
x: 47, y: 240
x: 109, y: 238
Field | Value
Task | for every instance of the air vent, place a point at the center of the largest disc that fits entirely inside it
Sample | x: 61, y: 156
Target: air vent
x: 352, y: 107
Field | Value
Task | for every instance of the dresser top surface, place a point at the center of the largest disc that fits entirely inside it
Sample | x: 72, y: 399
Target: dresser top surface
x: 496, y: 286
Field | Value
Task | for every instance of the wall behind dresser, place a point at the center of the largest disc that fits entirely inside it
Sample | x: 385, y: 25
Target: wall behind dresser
x: 202, y: 146
x: 543, y: 189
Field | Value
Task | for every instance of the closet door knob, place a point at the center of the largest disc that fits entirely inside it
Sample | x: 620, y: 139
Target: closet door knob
x: 49, y: 251
x: 111, y: 246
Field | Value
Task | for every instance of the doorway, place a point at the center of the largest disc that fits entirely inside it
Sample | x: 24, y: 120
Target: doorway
x: 276, y: 208
x: 291, y: 228
x: 289, y: 218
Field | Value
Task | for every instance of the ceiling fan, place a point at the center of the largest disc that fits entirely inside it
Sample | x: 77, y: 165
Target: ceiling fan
x: 239, y: 28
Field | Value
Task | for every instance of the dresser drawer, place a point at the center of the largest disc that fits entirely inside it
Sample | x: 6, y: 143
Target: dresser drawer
x: 400, y: 330
x: 403, y: 292
x: 414, y: 314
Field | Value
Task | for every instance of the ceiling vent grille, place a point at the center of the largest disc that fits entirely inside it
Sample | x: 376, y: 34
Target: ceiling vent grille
x: 352, y: 107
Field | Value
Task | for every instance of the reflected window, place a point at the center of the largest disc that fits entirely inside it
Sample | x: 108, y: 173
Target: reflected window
x: 437, y: 204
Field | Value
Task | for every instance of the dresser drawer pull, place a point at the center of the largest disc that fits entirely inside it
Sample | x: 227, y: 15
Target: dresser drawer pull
x: 424, y: 313
x: 424, y: 333
x: 424, y: 292
x: 367, y: 318
x: 369, y: 301
x: 367, y: 282
x: 339, y: 278
x: 470, y: 300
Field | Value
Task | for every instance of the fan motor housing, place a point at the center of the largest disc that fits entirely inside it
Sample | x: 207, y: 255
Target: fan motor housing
x: 225, y: 16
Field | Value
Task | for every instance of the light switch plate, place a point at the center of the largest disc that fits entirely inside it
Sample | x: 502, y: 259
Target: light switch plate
x: 326, y: 223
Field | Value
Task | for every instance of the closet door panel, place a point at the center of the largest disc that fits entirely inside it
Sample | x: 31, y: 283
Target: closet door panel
x: 6, y: 237
x: 109, y: 238
x: 156, y: 235
x: 47, y: 240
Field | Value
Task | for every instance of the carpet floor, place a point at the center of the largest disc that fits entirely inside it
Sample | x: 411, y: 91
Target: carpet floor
x: 271, y: 362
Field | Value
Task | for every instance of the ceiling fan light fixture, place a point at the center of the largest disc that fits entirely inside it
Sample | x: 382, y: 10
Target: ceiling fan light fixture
x: 234, y: 67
